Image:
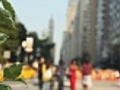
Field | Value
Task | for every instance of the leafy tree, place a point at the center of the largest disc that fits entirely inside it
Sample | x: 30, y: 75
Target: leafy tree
x: 44, y: 46
x: 45, y: 49
x: 34, y: 35
x: 8, y: 29
x: 22, y: 32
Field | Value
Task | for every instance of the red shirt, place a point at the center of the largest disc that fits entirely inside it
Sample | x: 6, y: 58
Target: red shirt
x: 87, y: 69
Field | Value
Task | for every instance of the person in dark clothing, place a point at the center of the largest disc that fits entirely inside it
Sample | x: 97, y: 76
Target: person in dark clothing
x: 60, y: 72
x: 40, y: 74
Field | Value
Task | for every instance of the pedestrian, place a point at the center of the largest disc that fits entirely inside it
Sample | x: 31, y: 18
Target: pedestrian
x: 41, y: 64
x: 47, y: 76
x: 86, y: 74
x: 60, y: 73
x: 53, y: 69
x: 72, y: 74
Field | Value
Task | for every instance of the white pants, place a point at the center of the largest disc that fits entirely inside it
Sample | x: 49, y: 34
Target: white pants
x: 87, y: 80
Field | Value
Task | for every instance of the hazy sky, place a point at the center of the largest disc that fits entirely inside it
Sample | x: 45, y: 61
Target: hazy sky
x: 35, y: 15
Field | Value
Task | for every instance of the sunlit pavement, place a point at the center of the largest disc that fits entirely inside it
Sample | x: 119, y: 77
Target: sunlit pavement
x: 22, y: 86
x: 97, y: 85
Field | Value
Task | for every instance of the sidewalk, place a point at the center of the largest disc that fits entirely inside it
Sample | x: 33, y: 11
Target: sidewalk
x: 97, y: 85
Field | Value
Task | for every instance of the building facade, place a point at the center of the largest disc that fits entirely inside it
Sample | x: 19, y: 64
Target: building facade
x: 81, y: 28
x: 93, y: 27
x: 68, y: 42
x: 51, y: 36
x: 108, y: 27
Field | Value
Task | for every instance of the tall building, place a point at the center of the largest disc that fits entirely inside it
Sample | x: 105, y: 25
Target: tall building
x: 51, y: 30
x: 108, y: 26
x: 71, y: 13
x: 81, y: 24
x: 51, y: 35
x: 67, y: 46
x: 81, y: 29
x: 99, y: 27
x: 92, y: 29
x: 85, y: 28
x: 64, y: 49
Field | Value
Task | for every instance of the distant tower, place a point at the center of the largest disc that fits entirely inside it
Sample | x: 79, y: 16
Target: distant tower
x: 51, y: 35
x: 51, y: 30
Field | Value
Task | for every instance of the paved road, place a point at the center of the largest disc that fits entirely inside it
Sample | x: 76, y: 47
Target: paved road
x: 100, y: 85
x: 21, y: 86
x: 97, y: 85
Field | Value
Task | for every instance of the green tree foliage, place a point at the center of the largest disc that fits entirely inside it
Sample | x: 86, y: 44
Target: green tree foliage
x: 8, y: 30
x: 22, y: 32
x: 7, y: 6
x: 8, y: 26
x: 45, y: 48
x: 5, y: 87
x: 12, y: 72
x: 35, y: 37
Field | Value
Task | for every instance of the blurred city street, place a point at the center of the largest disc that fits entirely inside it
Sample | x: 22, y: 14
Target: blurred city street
x: 53, y: 39
x: 97, y: 85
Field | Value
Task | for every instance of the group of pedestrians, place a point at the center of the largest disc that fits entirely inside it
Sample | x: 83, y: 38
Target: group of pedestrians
x: 73, y: 75
x: 48, y: 73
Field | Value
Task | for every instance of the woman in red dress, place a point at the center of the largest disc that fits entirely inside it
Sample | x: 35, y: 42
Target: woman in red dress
x: 72, y: 74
